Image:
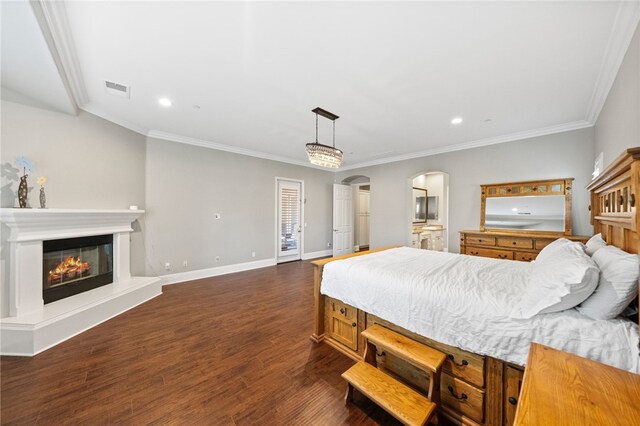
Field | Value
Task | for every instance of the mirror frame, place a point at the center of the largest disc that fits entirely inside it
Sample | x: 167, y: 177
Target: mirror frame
x: 509, y: 190
x: 426, y: 213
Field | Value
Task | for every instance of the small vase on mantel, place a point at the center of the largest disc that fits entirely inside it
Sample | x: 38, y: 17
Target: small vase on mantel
x: 23, y: 191
x: 43, y: 198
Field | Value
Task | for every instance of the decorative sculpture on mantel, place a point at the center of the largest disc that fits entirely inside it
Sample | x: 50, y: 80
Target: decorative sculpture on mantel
x: 43, y: 198
x: 23, y: 188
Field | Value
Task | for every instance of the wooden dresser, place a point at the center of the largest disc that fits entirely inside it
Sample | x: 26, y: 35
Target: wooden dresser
x: 508, y: 245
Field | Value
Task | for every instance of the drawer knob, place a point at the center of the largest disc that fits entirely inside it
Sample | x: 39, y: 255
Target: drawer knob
x: 502, y: 256
x: 353, y: 324
x: 513, y: 401
x: 342, y: 311
x: 452, y: 392
x: 514, y: 243
x: 464, y: 362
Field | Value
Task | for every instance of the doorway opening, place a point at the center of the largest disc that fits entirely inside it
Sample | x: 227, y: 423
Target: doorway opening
x: 351, y: 215
x: 289, y: 217
x: 429, y: 211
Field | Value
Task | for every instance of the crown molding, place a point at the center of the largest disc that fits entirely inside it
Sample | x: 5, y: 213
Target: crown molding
x: 52, y: 18
x: 624, y: 27
x: 156, y: 134
x: 528, y: 134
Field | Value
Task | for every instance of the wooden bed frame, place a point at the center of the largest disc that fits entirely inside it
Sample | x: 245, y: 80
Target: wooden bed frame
x: 492, y: 385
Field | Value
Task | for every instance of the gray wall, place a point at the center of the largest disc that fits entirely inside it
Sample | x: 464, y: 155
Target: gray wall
x: 188, y: 185
x: 618, y: 126
x: 568, y: 154
x: 89, y: 163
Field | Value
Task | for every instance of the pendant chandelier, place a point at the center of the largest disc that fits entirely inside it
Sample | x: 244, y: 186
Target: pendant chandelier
x: 325, y: 155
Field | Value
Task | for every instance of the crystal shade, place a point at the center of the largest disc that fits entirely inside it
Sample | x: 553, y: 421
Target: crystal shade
x: 324, y: 155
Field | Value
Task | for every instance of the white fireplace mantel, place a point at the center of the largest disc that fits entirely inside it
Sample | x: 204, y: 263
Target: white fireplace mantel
x: 31, y: 326
x: 52, y: 224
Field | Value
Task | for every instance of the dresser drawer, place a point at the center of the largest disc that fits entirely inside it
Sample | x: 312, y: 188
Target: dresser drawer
x: 516, y: 243
x: 496, y: 254
x: 462, y: 397
x: 463, y: 364
x: 525, y: 257
x: 480, y: 240
x: 540, y: 244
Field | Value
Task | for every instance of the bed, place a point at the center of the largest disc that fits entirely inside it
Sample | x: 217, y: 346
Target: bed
x: 470, y: 318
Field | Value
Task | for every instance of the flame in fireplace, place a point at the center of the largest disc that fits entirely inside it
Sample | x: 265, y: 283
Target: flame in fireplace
x: 70, y: 268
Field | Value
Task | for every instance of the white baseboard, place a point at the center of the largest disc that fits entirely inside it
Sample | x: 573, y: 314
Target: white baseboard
x: 316, y: 254
x: 213, y: 272
x: 230, y: 269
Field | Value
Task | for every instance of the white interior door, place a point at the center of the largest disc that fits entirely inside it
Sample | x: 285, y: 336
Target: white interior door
x: 342, y: 219
x: 289, y: 220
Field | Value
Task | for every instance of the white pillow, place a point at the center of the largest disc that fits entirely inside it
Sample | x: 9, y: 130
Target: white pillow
x: 596, y: 242
x: 550, y: 249
x: 560, y: 281
x: 618, y: 285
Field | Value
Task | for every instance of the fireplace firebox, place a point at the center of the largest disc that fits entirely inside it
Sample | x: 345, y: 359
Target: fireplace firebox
x: 76, y: 265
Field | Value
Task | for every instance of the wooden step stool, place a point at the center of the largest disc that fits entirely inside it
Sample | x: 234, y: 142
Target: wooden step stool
x: 399, y: 400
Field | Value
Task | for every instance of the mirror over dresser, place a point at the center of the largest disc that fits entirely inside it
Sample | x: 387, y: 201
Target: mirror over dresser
x: 518, y: 219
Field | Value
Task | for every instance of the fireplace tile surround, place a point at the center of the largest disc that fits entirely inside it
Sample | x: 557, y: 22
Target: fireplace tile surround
x: 28, y: 326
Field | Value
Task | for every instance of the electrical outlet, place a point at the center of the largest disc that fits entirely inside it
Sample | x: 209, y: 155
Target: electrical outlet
x: 167, y: 266
x: 328, y: 245
x: 253, y: 254
x: 185, y: 263
x: 217, y: 258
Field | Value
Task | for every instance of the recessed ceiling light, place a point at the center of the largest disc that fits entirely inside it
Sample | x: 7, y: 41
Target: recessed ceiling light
x: 165, y: 102
x: 515, y: 209
x: 456, y: 120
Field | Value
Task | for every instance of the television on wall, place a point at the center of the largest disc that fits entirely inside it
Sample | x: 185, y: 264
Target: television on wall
x: 432, y: 208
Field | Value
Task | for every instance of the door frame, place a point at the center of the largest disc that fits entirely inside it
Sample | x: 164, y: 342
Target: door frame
x: 303, y: 223
x: 356, y: 208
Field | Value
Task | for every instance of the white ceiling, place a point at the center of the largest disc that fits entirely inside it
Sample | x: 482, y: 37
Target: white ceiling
x: 29, y: 73
x: 395, y: 72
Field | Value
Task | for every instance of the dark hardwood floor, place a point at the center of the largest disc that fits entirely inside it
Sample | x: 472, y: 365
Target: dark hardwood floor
x: 229, y: 350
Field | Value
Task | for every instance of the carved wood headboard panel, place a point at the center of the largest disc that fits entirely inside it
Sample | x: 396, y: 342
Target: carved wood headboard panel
x: 614, y: 203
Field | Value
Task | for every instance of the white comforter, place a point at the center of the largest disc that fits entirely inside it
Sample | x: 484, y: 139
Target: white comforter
x: 465, y: 301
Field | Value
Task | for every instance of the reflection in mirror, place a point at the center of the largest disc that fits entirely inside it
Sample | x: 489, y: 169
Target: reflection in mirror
x: 432, y: 207
x: 539, y: 213
x: 420, y: 205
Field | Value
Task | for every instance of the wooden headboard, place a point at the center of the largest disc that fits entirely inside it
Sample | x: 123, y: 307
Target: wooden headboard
x: 614, y: 203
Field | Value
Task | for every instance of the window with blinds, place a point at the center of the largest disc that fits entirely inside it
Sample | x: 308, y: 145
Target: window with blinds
x: 289, y: 218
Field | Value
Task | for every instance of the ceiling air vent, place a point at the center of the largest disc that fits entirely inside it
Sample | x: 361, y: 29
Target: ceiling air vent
x: 117, y: 89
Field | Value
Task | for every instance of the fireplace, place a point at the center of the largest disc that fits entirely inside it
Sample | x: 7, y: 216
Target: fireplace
x: 75, y: 265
